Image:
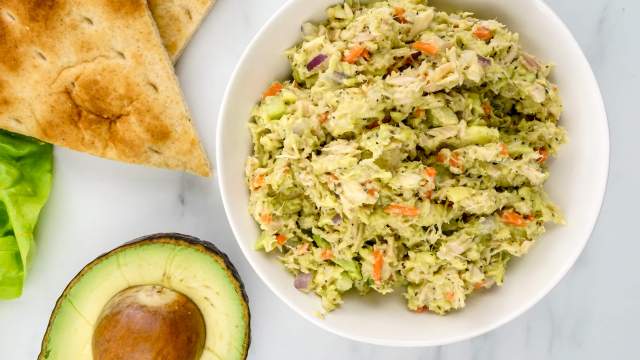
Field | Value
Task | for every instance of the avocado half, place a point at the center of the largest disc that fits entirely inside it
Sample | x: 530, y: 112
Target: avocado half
x: 156, y: 296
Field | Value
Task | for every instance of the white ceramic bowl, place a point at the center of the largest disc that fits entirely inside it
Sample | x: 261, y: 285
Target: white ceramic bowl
x: 577, y: 184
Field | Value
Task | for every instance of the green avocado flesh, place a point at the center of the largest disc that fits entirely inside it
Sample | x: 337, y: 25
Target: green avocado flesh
x: 183, y: 264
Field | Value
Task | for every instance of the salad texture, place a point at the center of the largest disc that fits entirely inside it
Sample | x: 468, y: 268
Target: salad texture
x: 407, y: 153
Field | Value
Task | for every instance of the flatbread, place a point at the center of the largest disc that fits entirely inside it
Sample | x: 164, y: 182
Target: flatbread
x: 178, y: 20
x: 93, y: 76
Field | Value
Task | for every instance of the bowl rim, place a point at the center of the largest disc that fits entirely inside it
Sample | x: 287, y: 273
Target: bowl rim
x: 522, y: 307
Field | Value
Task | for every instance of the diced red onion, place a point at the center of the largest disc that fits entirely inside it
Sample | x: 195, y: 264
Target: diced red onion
x: 302, y: 281
x: 319, y: 59
x: 484, y: 62
x: 337, y: 219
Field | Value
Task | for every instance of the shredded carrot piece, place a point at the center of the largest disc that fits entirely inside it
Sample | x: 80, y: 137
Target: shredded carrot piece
x: 378, y: 261
x: 324, y: 117
x: 479, y: 285
x: 273, y: 90
x: 266, y: 218
x: 426, y: 47
x: 430, y: 172
x: 422, y: 309
x: 544, y: 155
x: 366, y: 55
x: 513, y: 218
x: 450, y: 296
x: 356, y: 53
x: 418, y: 113
x: 482, y: 33
x: 326, y: 254
x: 504, y: 151
x: 258, y: 182
x: 281, y: 239
x: 429, y: 194
x: 372, y: 192
x: 487, y: 109
x: 398, y: 14
x: 454, y: 161
x: 441, y: 157
x: 404, y: 210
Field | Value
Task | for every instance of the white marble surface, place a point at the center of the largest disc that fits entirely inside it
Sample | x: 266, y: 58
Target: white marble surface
x: 592, y: 314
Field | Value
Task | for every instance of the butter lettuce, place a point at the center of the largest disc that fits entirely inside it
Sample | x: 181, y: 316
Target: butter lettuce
x: 26, y: 167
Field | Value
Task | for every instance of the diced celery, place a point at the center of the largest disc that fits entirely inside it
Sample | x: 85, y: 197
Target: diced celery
x: 458, y: 193
x: 397, y: 116
x: 350, y: 266
x: 274, y: 107
x: 289, y: 97
x: 479, y: 135
x: 443, y: 116
x: 322, y: 243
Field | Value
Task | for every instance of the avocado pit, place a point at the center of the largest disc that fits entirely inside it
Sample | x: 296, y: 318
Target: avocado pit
x: 149, y: 322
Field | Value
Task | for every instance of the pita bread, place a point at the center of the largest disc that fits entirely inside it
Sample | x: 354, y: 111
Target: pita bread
x: 93, y: 76
x: 178, y: 20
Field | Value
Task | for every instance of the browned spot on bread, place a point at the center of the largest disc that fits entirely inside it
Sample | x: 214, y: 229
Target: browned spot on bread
x: 157, y: 131
x: 95, y: 92
x: 126, y: 7
x: 5, y: 101
x: 126, y: 135
x: 42, y: 11
x: 60, y: 119
x: 109, y: 114
x: 29, y: 22
x: 10, y: 51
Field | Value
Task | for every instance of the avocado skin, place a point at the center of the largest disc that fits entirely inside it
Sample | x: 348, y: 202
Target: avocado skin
x: 187, y: 240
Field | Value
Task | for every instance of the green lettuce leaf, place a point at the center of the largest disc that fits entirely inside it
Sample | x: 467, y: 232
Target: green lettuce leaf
x: 26, y: 167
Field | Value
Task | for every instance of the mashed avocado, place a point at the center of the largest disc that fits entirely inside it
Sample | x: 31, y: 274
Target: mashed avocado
x: 407, y: 152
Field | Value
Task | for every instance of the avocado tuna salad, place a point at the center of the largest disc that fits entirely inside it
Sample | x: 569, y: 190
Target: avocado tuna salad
x: 408, y: 153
